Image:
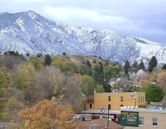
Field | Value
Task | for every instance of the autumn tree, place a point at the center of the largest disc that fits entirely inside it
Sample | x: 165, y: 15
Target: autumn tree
x: 47, y: 83
x: 11, y: 59
x: 161, y: 80
x: 47, y: 115
x: 12, y: 106
x: 71, y: 92
x: 36, y: 62
x: 65, y: 65
x: 5, y: 81
x: 23, y: 78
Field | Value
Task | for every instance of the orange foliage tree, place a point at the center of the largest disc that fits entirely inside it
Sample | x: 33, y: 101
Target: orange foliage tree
x: 47, y: 115
x: 161, y: 80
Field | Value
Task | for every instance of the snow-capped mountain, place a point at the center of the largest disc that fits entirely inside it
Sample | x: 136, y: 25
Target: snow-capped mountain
x: 29, y: 32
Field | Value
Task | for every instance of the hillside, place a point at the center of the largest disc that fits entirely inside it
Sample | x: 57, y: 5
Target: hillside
x: 29, y: 32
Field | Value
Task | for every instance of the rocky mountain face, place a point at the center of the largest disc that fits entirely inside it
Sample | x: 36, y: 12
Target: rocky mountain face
x: 29, y: 32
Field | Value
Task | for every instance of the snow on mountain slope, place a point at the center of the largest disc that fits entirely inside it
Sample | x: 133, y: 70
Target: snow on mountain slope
x: 29, y: 32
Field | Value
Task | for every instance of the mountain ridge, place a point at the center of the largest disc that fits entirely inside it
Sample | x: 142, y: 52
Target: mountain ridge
x: 29, y: 32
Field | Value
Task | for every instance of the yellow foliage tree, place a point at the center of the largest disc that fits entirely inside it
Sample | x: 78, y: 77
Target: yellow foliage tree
x: 36, y: 62
x: 24, y: 76
x: 4, y: 81
x: 65, y: 65
x: 47, y: 115
x: 161, y: 80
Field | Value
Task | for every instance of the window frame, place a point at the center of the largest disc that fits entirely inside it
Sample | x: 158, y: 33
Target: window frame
x: 121, y: 99
x: 109, y: 98
x: 142, y: 121
x: 154, y: 122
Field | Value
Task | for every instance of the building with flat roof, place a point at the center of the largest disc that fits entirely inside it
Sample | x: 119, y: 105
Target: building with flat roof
x: 143, y: 118
x: 116, y: 100
x: 98, y: 124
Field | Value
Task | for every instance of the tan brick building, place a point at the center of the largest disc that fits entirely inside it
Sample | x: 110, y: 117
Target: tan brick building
x: 116, y: 100
x: 149, y: 119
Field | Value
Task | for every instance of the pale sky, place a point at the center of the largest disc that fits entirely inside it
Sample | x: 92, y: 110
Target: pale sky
x: 140, y: 18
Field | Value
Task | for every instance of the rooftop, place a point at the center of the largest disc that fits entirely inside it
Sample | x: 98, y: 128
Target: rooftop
x: 146, y: 110
x: 102, y: 111
x: 99, y: 123
x: 118, y: 92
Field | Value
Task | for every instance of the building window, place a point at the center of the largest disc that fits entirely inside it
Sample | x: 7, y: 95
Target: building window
x: 109, y: 106
x: 109, y: 98
x: 141, y: 121
x: 121, y: 98
x: 154, y: 122
x: 90, y: 106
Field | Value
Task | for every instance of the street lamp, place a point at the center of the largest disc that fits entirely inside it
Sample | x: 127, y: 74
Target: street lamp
x: 108, y: 116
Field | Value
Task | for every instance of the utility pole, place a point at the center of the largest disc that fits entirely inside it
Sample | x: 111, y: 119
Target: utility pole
x: 108, y: 116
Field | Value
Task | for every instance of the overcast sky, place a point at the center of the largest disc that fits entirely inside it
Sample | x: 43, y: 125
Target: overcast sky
x: 141, y: 18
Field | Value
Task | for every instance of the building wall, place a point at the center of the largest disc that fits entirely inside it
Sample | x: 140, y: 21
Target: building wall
x: 148, y: 116
x: 89, y: 106
x: 101, y: 100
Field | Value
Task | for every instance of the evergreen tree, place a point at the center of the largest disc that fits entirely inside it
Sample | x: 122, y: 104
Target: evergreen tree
x: 152, y: 64
x: 98, y: 73
x: 64, y: 54
x: 39, y: 55
x: 111, y: 71
x: 126, y: 67
x: 88, y: 63
x: 141, y: 65
x: 47, y: 60
x: 164, y: 67
x: 27, y: 54
x: 107, y: 87
x: 135, y: 64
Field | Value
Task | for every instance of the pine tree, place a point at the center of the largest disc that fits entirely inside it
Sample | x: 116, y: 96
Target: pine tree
x: 141, y: 65
x: 152, y: 64
x: 88, y: 63
x: 126, y: 67
x: 64, y: 54
x: 98, y: 73
x: 135, y: 64
x: 164, y: 67
x: 47, y: 60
